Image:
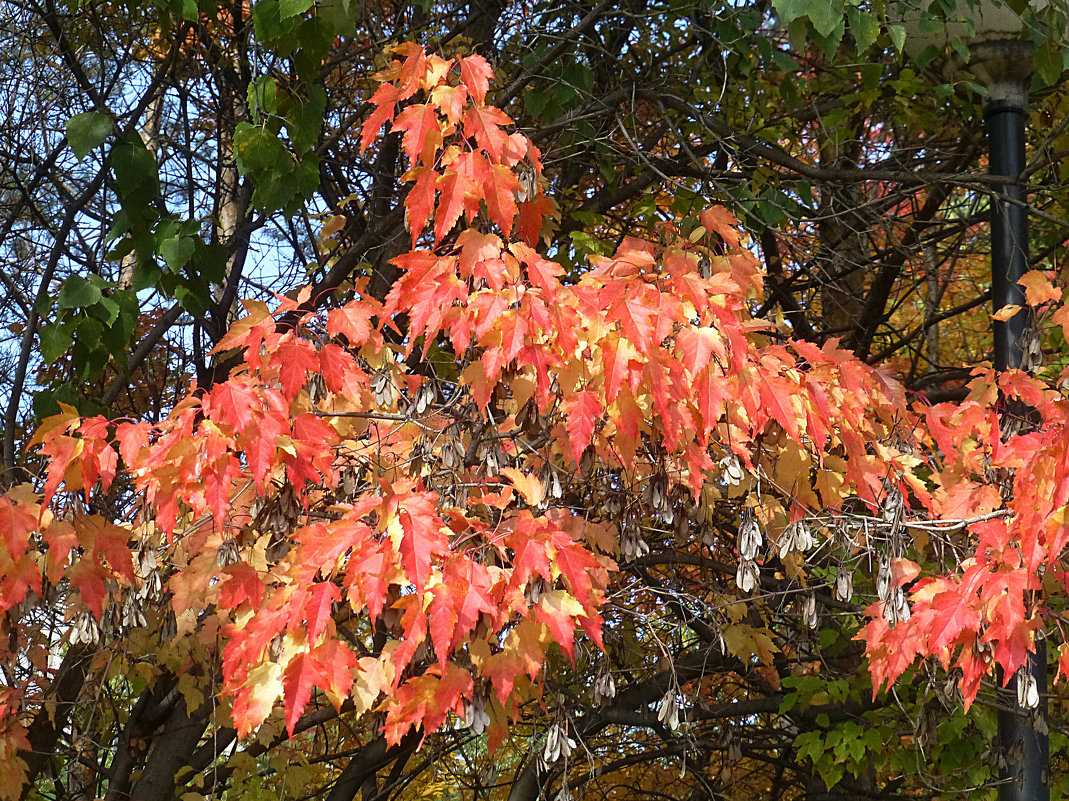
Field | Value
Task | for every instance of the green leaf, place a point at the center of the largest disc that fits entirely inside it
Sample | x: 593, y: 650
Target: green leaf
x: 176, y: 252
x: 86, y: 131
x: 864, y: 27
x: 826, y: 16
x: 898, y: 36
x: 55, y: 341
x: 790, y: 10
x: 1048, y: 62
x: 291, y: 8
x: 137, y: 178
x: 106, y: 310
x: 263, y: 97
x: 78, y: 293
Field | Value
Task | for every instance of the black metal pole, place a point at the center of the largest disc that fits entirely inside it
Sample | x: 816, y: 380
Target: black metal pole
x: 1009, y: 226
x: 1022, y: 730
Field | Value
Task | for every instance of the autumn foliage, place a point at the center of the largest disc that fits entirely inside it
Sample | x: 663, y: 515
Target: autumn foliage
x: 418, y: 473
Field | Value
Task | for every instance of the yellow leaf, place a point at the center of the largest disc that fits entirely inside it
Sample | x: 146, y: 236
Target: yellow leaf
x: 1038, y: 289
x: 530, y: 487
x: 1006, y: 312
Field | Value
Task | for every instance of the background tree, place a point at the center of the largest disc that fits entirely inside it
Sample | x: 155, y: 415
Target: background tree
x: 218, y: 152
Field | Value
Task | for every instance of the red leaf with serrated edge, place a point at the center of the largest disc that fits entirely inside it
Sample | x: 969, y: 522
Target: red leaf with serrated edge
x: 231, y: 402
x: 442, y: 617
x: 370, y: 571
x: 414, y: 628
x: 337, y: 663
x: 261, y: 448
x: 721, y: 221
x: 533, y: 217
x: 242, y: 585
x: 352, y: 320
x: 133, y: 440
x: 384, y: 101
x: 295, y: 359
x: 529, y: 548
x: 450, y: 100
x: 422, y: 133
x: 696, y: 346
x: 475, y: 249
x: 581, y: 412
x: 88, y: 578
x: 578, y: 566
x: 302, y: 675
x: 61, y: 452
x: 483, y: 123
x: 455, y: 188
x: 521, y: 654
x: 335, y: 365
x: 413, y: 68
x: 528, y: 485
x: 476, y: 74
x: 421, y: 541
x: 635, y: 324
x: 776, y: 399
x: 616, y: 364
x: 16, y: 524
x: 457, y: 602
x: 319, y: 608
x: 559, y: 611
x: 499, y: 186
x: 419, y: 203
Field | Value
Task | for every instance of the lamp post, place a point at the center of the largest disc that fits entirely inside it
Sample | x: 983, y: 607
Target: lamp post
x: 1002, y: 63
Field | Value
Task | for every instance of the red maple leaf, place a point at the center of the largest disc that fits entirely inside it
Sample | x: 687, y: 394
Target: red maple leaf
x: 499, y: 185
x: 483, y: 123
x: 422, y: 539
x: 581, y: 412
x: 455, y: 187
x: 302, y: 675
x: 419, y: 203
x: 422, y: 133
x: 242, y: 585
x: 476, y: 74
x: 319, y: 607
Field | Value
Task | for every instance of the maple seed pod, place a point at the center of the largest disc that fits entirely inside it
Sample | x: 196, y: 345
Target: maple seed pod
x: 424, y: 398
x: 169, y: 628
x: 1027, y: 689
x: 632, y: 545
x: 84, y: 630
x: 749, y: 538
x: 896, y: 610
x: 558, y: 744
x: 604, y: 689
x: 382, y: 387
x: 883, y: 581
x: 844, y: 584
x: 809, y: 611
x: 748, y: 577
x: 586, y: 463
x: 227, y: 554
x: 734, y: 752
x: 476, y: 717
x: 274, y: 650
x: 732, y: 469
x: 668, y: 713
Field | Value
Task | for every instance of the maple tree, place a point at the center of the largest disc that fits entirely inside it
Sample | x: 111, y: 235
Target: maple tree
x: 305, y: 483
x: 487, y: 413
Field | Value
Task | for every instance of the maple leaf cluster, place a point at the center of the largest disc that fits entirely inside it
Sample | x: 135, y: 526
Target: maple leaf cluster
x: 389, y: 503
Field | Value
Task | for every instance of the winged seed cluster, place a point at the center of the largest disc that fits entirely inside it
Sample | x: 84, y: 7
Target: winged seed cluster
x: 749, y: 542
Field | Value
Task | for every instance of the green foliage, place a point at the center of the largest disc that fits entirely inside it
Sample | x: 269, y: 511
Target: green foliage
x: 87, y: 131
